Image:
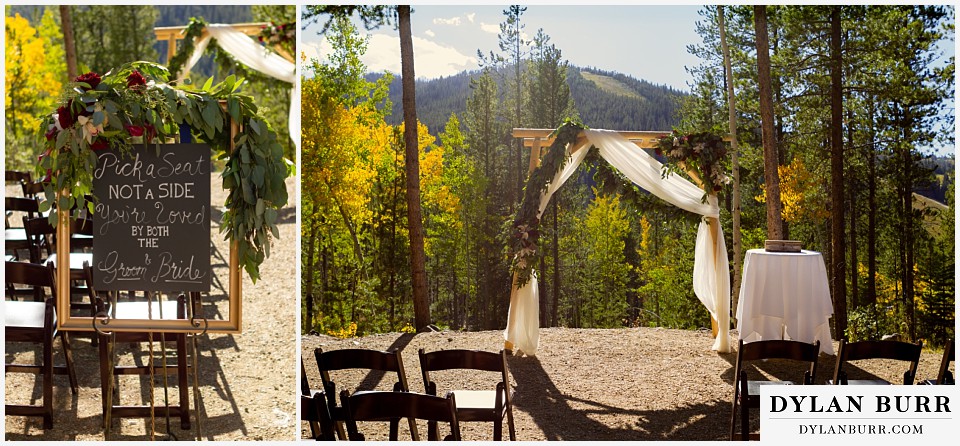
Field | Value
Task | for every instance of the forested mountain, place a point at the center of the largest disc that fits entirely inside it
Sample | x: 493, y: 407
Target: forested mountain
x: 603, y: 100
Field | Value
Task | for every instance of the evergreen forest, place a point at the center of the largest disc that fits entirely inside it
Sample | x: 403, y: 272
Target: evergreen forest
x: 613, y: 255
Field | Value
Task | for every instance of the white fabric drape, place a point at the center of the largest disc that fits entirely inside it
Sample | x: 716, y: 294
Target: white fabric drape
x: 255, y: 56
x: 523, y: 317
x: 711, y: 282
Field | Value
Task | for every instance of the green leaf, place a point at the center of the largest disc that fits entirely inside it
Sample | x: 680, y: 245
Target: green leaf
x: 207, y: 85
x: 260, y: 207
x: 233, y: 107
x: 209, y: 115
x: 97, y: 118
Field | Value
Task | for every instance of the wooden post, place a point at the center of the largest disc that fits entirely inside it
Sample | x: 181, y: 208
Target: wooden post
x: 63, y: 261
x: 534, y: 156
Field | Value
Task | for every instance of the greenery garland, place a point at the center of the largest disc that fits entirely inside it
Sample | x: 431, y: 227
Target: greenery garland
x: 703, y: 153
x: 526, y: 224
x: 191, y: 33
x: 134, y: 102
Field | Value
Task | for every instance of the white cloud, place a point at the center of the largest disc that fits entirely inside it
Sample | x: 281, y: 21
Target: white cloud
x: 314, y: 50
x: 431, y: 59
x: 492, y: 29
x: 430, y: 33
x: 471, y: 16
x: 455, y: 21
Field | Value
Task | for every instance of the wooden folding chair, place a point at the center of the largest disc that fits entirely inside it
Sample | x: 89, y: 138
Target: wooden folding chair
x: 36, y: 322
x: 380, y: 406
x: 15, y: 238
x: 944, y: 376
x: 360, y: 359
x: 746, y: 393
x: 474, y: 405
x: 313, y: 409
x: 896, y: 350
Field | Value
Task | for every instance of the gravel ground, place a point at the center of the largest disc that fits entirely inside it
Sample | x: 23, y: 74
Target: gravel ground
x: 247, y: 381
x: 619, y: 384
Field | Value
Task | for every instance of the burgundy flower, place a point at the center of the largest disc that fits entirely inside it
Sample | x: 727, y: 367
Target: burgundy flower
x: 134, y: 130
x: 135, y: 79
x: 92, y: 79
x: 99, y: 144
x: 150, y: 132
x: 52, y: 133
x: 65, y: 116
x: 717, y: 188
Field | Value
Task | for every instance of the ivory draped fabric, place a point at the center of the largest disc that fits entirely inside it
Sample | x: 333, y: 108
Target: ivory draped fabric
x: 711, y: 282
x: 255, y: 56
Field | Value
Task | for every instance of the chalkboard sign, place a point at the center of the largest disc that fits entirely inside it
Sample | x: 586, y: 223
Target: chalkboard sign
x: 151, y: 228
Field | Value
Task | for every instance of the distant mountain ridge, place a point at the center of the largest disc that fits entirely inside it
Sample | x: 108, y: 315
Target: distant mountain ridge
x: 603, y: 99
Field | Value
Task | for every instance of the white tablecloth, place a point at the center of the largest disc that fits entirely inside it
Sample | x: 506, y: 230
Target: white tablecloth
x: 785, y: 296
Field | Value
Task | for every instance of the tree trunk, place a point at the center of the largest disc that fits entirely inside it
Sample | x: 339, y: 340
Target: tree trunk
x: 771, y: 177
x: 838, y: 251
x: 855, y: 298
x: 734, y: 160
x: 556, y: 266
x: 311, y: 265
x: 421, y: 304
x: 871, y: 291
x: 69, y: 48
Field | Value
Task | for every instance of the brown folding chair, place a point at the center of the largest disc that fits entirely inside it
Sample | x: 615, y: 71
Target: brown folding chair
x: 313, y: 409
x: 474, y: 405
x: 360, y: 359
x: 746, y: 393
x: 110, y: 372
x: 381, y: 406
x: 15, y: 238
x: 896, y: 350
x: 36, y: 322
x: 41, y: 235
x: 944, y: 376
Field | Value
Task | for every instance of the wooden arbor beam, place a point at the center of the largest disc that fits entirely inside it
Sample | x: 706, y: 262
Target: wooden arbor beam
x: 172, y: 34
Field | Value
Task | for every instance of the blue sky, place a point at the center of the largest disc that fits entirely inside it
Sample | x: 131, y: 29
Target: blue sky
x: 646, y: 42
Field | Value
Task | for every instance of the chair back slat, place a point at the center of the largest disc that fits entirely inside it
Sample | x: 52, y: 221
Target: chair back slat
x: 780, y: 349
x: 31, y: 274
x: 357, y: 359
x: 461, y: 359
x: 382, y: 406
x: 16, y: 176
x: 893, y: 350
x: 897, y: 350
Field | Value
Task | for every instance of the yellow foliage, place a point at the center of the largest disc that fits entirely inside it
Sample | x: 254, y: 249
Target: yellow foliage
x: 799, y: 194
x: 408, y: 329
x: 30, y: 85
x: 644, y: 234
x: 349, y: 331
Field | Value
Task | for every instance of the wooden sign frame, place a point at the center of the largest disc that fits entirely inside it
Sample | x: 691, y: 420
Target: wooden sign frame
x: 67, y: 322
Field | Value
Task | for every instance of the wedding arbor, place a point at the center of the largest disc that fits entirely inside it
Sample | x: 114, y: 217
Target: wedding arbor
x: 236, y: 40
x: 569, y: 146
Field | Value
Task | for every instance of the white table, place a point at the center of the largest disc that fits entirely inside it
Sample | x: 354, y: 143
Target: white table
x: 785, y: 295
